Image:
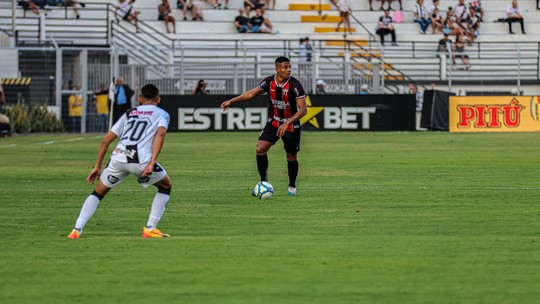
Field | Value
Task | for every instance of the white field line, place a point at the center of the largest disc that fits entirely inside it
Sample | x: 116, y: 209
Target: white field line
x: 50, y: 142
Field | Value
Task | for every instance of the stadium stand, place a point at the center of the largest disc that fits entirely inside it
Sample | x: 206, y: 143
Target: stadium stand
x: 496, y: 57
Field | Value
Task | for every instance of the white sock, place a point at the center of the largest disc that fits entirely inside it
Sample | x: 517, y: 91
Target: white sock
x: 87, y: 210
x: 158, y: 207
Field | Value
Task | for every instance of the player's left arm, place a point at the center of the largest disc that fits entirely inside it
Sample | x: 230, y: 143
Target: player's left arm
x: 156, y: 149
x: 302, y: 111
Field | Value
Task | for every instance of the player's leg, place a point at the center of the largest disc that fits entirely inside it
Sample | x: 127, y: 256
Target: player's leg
x: 113, y: 175
x: 88, y: 209
x: 267, y: 138
x: 159, y: 204
x: 292, y: 167
x: 163, y: 183
x: 262, y: 158
x: 292, y: 147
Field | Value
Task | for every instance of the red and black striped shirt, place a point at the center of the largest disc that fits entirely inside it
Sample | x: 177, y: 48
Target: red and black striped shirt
x: 282, y: 99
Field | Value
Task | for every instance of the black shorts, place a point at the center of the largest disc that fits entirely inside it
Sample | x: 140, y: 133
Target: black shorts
x: 291, y: 140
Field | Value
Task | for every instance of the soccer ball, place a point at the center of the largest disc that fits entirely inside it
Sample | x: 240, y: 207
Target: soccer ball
x: 263, y: 190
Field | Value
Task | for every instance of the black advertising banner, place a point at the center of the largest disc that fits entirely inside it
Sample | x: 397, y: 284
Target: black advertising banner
x: 325, y: 113
x: 435, y: 110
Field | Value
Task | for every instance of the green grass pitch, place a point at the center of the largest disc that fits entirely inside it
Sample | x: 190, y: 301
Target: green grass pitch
x: 383, y: 217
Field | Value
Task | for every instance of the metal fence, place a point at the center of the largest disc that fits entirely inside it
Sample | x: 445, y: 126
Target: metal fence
x: 50, y: 75
x: 55, y: 71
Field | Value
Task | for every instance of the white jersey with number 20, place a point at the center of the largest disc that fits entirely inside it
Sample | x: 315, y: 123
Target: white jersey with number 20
x: 136, y: 131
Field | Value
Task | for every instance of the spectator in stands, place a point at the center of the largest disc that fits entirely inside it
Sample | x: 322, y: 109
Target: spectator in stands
x: 473, y: 23
x: 302, y: 51
x: 122, y: 99
x: 445, y: 45
x: 451, y: 27
x: 74, y: 5
x: 433, y: 6
x: 260, y: 24
x: 75, y: 109
x: 477, y: 4
x: 434, y: 16
x: 461, y: 11
x: 413, y: 89
x: 437, y: 21
x: 513, y: 15
x: 214, y: 3
x: 165, y: 14
x: 303, y: 66
x: 192, y: 5
x: 241, y: 22
x: 385, y: 27
x: 421, y: 16
x: 128, y: 13
x: 29, y: 5
x: 344, y: 12
x: 320, y: 88
x: 252, y: 5
x: 200, y: 88
x: 101, y: 99
x: 364, y: 89
x: 460, y: 52
x: 309, y: 48
x: 270, y: 4
x: 5, y: 127
x: 390, y: 4
x: 371, y: 5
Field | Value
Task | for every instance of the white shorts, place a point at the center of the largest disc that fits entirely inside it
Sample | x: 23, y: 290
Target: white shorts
x: 116, y: 172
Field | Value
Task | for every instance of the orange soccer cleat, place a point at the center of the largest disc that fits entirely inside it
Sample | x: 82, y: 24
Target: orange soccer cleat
x: 154, y: 233
x: 74, y: 234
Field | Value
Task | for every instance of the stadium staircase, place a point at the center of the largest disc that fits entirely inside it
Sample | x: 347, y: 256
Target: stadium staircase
x: 496, y: 56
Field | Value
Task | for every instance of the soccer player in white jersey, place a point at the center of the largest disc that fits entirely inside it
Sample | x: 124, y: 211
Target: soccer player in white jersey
x: 142, y: 132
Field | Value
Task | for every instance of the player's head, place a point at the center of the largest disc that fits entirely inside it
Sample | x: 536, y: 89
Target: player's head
x: 283, y: 67
x: 282, y: 59
x: 149, y: 93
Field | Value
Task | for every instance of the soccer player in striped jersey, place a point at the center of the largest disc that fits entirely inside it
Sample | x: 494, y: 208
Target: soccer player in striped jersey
x: 142, y: 132
x: 286, y: 105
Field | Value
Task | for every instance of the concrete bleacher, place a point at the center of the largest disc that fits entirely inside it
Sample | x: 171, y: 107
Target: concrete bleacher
x: 288, y: 24
x: 292, y: 19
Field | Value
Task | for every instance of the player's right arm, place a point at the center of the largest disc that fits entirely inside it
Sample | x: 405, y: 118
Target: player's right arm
x: 245, y: 96
x: 156, y: 149
x: 103, y: 147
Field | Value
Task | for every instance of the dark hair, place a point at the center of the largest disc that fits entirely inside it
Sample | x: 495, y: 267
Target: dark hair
x: 282, y: 59
x: 149, y: 92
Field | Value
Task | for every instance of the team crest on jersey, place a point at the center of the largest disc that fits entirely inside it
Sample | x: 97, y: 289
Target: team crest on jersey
x: 285, y: 92
x: 143, y: 179
x: 112, y: 179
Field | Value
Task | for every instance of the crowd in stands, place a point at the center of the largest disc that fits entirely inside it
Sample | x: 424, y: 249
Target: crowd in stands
x: 382, y: 4
x: 37, y: 6
x: 256, y: 24
x: 126, y: 12
x: 462, y: 20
